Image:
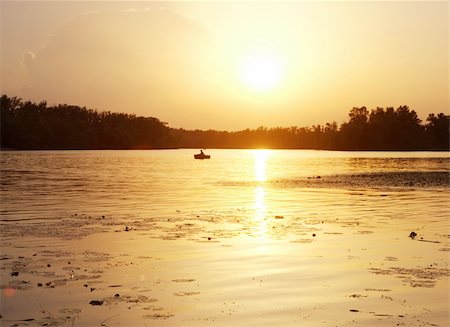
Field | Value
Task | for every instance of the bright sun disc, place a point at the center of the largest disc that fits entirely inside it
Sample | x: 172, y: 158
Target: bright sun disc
x: 261, y: 70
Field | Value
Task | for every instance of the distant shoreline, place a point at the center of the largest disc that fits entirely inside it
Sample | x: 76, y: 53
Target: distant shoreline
x: 195, y: 149
x: 33, y: 126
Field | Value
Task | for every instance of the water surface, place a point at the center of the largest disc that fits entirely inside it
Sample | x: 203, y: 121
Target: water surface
x: 53, y: 184
x: 247, y: 238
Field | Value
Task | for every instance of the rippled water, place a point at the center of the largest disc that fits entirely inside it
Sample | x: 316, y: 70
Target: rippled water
x: 50, y: 184
x: 247, y: 238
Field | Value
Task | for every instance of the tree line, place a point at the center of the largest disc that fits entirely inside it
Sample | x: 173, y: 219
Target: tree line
x: 28, y: 125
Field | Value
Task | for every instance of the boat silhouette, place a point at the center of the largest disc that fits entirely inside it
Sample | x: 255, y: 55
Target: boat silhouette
x: 201, y: 156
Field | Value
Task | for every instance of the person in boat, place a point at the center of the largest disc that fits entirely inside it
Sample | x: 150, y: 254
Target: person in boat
x: 201, y: 152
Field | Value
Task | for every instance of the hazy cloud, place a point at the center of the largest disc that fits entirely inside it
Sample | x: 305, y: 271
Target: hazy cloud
x: 147, y: 62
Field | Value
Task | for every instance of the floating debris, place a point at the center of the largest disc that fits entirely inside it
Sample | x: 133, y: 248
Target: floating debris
x: 183, y: 280
x: 186, y: 293
x: 96, y: 302
x: 357, y: 295
x: 429, y: 241
x: 51, y: 321
x: 117, y: 298
x: 415, y: 277
x: 16, y: 285
x: 158, y: 316
x: 70, y: 311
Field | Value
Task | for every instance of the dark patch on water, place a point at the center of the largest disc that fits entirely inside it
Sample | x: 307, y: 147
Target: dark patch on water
x: 415, y: 277
x: 404, y: 180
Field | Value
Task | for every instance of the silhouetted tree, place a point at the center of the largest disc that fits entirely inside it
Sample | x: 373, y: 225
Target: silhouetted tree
x: 437, y: 131
x: 27, y: 125
x: 354, y: 133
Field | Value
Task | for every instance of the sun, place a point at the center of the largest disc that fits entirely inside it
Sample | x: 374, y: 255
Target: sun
x: 261, y: 69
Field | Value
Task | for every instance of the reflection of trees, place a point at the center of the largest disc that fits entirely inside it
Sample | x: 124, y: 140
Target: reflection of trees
x: 27, y: 125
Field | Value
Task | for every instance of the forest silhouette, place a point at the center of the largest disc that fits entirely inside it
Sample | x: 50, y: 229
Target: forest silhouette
x: 36, y: 126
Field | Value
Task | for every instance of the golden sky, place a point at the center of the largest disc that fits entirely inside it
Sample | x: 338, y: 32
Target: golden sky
x: 228, y: 65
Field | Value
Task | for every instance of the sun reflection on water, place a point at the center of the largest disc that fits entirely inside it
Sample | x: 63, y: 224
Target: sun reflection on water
x: 260, y: 164
x: 260, y: 205
x: 260, y: 219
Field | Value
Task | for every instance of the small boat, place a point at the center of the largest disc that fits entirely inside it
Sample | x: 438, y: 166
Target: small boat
x: 201, y: 156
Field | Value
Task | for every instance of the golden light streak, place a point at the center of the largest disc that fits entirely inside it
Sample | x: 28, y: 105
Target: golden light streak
x: 260, y: 212
x: 260, y: 164
x: 260, y: 219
